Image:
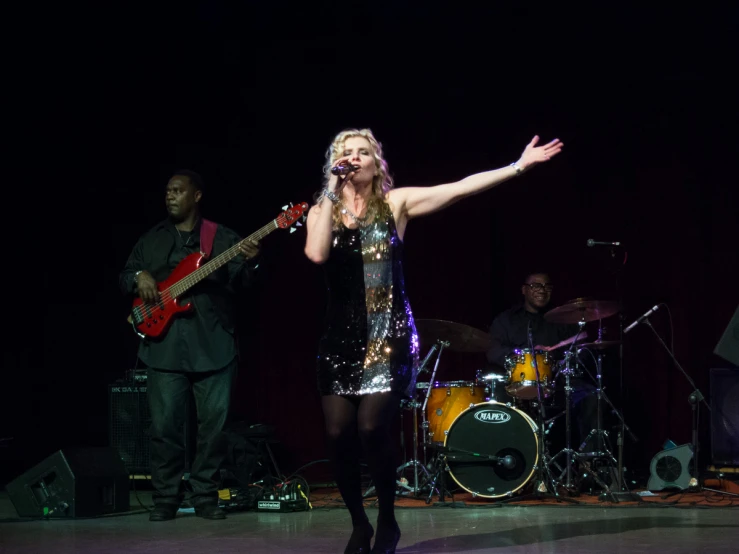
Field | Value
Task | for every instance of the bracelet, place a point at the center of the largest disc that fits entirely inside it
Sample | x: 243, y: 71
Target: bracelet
x: 517, y: 167
x: 331, y: 196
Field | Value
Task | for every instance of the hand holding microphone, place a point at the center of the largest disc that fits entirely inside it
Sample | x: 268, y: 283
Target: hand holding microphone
x: 344, y: 168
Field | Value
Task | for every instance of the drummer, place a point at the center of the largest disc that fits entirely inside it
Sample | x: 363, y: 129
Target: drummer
x: 509, y: 331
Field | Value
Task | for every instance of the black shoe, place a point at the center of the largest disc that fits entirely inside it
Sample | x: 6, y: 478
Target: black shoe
x: 387, y: 539
x: 210, y: 511
x: 163, y: 512
x: 359, y: 543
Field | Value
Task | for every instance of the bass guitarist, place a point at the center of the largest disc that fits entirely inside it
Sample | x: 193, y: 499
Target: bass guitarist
x: 198, y: 352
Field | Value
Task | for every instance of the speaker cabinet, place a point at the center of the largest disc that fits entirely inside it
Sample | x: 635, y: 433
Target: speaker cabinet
x: 130, y: 421
x: 670, y: 469
x: 725, y: 417
x: 74, y: 482
x: 728, y: 345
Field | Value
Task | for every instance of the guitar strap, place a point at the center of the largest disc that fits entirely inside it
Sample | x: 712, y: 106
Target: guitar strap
x: 207, y: 234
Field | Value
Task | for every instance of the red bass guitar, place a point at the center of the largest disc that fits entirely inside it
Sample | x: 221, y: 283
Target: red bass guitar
x: 153, y: 320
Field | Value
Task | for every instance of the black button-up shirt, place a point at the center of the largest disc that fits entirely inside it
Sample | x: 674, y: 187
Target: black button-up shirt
x: 510, y: 331
x: 203, y: 339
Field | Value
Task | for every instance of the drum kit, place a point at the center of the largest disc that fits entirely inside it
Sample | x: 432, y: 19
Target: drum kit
x: 488, y: 433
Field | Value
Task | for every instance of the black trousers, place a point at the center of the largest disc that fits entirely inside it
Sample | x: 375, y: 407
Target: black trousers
x: 169, y: 393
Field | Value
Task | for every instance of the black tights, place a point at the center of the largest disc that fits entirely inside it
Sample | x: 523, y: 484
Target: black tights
x: 365, y: 420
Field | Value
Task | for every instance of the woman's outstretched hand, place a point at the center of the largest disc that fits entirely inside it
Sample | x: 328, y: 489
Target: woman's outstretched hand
x: 533, y: 154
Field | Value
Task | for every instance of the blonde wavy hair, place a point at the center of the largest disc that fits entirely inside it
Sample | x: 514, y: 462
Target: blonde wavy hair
x: 382, y: 182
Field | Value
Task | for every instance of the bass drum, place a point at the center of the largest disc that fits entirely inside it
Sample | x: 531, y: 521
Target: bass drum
x: 492, y: 429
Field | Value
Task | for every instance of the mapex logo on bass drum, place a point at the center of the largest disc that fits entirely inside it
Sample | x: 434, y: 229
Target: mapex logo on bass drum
x: 492, y: 416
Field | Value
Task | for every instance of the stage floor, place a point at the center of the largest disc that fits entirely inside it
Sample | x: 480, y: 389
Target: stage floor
x: 687, y: 526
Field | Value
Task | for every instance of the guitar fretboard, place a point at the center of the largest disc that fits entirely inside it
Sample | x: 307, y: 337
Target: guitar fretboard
x: 181, y: 286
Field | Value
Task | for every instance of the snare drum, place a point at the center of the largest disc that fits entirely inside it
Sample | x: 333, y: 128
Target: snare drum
x: 494, y: 385
x: 522, y: 375
x: 446, y: 401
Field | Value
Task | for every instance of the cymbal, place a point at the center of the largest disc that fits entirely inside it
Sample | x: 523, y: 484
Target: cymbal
x: 461, y: 338
x: 581, y: 309
x: 599, y: 344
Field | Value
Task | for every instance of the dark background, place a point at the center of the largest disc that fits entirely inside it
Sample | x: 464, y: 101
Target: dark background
x: 109, y: 100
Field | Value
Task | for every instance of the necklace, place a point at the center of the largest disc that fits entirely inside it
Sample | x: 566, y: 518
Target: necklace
x: 361, y: 221
x: 186, y: 242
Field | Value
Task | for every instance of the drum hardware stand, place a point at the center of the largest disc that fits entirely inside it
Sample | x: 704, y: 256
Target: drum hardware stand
x: 440, y: 344
x: 414, y: 405
x: 695, y: 399
x: 602, y: 450
x: 416, y: 464
x: 441, y: 468
x: 545, y: 485
x: 570, y: 454
x: 622, y: 492
x: 425, y: 424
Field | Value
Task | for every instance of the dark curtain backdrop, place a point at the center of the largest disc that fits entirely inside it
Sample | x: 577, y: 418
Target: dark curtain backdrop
x: 644, y: 103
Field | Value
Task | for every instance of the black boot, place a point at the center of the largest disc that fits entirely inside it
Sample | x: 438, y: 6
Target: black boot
x: 210, y: 511
x: 359, y: 543
x: 388, y: 536
x: 163, y: 512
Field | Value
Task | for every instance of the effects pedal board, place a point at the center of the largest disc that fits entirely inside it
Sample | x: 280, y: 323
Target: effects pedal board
x: 279, y: 505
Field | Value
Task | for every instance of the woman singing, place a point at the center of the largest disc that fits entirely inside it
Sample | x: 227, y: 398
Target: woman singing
x: 368, y: 354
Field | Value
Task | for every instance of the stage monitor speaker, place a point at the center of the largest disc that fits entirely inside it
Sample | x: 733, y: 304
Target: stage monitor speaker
x: 725, y: 417
x: 728, y: 345
x: 73, y: 482
x: 670, y: 469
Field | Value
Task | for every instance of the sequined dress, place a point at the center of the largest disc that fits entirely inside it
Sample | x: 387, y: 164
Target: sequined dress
x: 370, y: 342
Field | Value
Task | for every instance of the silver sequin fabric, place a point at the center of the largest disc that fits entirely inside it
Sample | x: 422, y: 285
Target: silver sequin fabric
x: 370, y: 343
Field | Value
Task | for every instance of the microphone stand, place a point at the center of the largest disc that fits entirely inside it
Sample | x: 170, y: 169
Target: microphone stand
x: 622, y: 492
x: 506, y: 461
x: 620, y: 440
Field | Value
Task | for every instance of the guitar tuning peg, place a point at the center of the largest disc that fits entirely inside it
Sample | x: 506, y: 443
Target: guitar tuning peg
x: 303, y: 218
x: 292, y: 230
x: 285, y: 207
x: 298, y: 224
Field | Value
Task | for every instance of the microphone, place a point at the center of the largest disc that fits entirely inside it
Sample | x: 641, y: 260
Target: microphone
x: 467, y: 457
x: 508, y: 462
x: 592, y: 243
x: 642, y: 318
x: 343, y: 168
